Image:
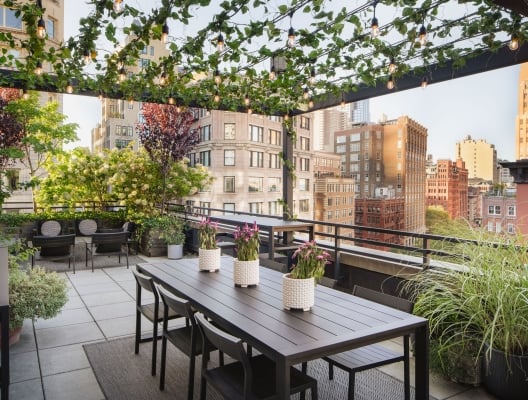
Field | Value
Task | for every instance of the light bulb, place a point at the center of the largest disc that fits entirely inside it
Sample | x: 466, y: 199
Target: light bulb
x: 216, y: 98
x: 375, y: 28
x: 87, y: 57
x: 131, y: 101
x: 117, y: 5
x: 342, y: 100
x: 220, y: 43
x: 38, y: 68
x: 246, y: 101
x: 424, y: 82
x: 272, y: 74
x: 390, y: 83
x: 69, y: 88
x: 311, y: 81
x: 310, y: 103
x: 163, y: 79
x: 291, y: 37
x: 392, y: 66
x: 514, y: 42
x: 164, y: 33
x: 422, y: 37
x: 306, y: 94
x: 171, y: 100
x: 25, y: 94
x: 178, y: 109
x: 249, y: 111
x: 122, y: 75
x: 217, y: 77
x: 41, y: 28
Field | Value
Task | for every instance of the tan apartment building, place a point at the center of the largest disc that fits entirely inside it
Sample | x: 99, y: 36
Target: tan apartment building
x: 447, y: 187
x: 521, y: 122
x: 242, y: 152
x: 480, y: 158
x: 333, y: 194
x: 389, y: 155
x: 54, y: 21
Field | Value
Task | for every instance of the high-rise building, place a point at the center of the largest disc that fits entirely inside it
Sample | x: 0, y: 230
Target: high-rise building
x: 480, y: 158
x: 326, y: 123
x: 360, y: 112
x: 388, y: 155
x: 243, y: 154
x: 447, y: 186
x: 521, y: 122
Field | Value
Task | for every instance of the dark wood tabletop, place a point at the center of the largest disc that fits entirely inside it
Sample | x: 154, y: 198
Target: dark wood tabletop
x: 337, y: 322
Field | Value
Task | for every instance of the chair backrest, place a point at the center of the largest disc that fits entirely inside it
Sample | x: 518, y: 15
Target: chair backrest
x: 54, y: 245
x: 383, y: 298
x: 215, y: 338
x: 87, y: 227
x: 180, y: 306
x: 109, y: 242
x: 50, y: 228
x: 145, y: 282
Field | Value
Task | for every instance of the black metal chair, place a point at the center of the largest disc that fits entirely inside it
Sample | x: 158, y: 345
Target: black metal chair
x: 55, y: 248
x: 374, y: 355
x: 247, y: 377
x: 108, y: 244
x: 186, y: 338
x: 154, y: 312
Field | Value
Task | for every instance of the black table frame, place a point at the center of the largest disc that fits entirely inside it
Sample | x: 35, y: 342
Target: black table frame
x: 270, y: 225
x: 338, y: 321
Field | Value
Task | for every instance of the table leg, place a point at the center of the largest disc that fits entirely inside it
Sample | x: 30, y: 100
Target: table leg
x: 422, y: 363
x: 271, y: 244
x: 282, y: 380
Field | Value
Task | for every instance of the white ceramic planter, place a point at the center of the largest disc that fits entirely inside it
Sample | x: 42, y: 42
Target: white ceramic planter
x: 245, y: 273
x: 297, y: 293
x: 174, y: 251
x: 209, y: 259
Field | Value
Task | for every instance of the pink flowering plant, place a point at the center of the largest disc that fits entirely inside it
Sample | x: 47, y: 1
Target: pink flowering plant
x: 311, y: 262
x: 207, y: 236
x: 247, y: 242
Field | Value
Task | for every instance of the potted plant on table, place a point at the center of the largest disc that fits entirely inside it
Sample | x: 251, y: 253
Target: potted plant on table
x: 172, y: 232
x: 208, y: 252
x: 298, y: 285
x: 480, y: 309
x: 246, y: 265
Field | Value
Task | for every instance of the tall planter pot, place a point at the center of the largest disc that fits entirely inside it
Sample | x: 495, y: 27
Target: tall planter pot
x: 209, y: 259
x: 506, y: 376
x: 298, y: 293
x: 245, y: 273
x: 174, y: 251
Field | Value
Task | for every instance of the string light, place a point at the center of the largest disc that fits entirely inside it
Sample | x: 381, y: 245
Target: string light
x: 342, y: 99
x: 306, y: 94
x: 374, y: 26
x: 38, y: 68
x: 390, y: 83
x: 122, y: 74
x: 164, y: 33
x: 310, y: 103
x: 249, y: 111
x: 514, y: 42
x: 291, y: 33
x: 272, y: 73
x: 216, y: 97
x: 41, y: 28
x: 130, y: 101
x: 69, y: 88
x: 171, y: 100
x: 424, y: 82
x: 87, y: 57
x: 117, y: 5
x: 246, y: 100
x: 312, y: 76
x: 25, y: 94
x: 392, y: 66
x: 217, y: 77
x: 163, y: 79
x: 220, y: 43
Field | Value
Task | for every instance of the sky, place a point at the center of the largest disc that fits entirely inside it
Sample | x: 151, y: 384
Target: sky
x: 482, y: 105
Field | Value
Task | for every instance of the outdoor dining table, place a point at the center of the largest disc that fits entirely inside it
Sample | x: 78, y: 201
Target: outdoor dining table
x: 269, y: 225
x: 337, y: 322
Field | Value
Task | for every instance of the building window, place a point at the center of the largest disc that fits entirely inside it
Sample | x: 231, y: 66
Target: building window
x: 151, y: 50
x: 124, y: 130
x: 304, y: 185
x: 341, y: 148
x: 229, y: 184
x: 50, y: 28
x: 511, y: 228
x: 305, y: 122
x: 274, y: 184
x: 144, y: 50
x: 274, y: 208
x: 205, y: 207
x: 229, y: 132
x: 305, y: 164
x: 143, y: 63
x: 255, y: 184
x: 256, y: 133
x: 8, y: 18
x: 121, y: 143
x: 12, y: 179
x: 305, y: 143
x: 275, y: 137
x: 205, y: 158
x: 511, y: 211
x: 274, y: 161
x: 304, y: 205
x: 229, y: 157
x: 205, y: 133
x: 229, y: 208
x: 256, y: 159
x: 255, y: 208
x: 494, y: 210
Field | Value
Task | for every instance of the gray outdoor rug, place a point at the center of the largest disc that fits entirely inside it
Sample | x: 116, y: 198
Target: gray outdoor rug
x: 125, y: 375
x: 80, y: 257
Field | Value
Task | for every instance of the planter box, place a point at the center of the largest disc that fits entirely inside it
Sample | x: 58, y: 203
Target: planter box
x: 151, y: 245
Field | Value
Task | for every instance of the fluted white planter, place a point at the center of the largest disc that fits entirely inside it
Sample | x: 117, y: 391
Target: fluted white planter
x: 209, y: 259
x: 297, y: 293
x: 245, y: 273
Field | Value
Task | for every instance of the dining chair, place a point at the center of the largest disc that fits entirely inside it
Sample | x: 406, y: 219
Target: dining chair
x: 247, y: 377
x: 154, y: 312
x: 186, y: 338
x: 107, y: 244
x: 55, y: 248
x: 374, y: 355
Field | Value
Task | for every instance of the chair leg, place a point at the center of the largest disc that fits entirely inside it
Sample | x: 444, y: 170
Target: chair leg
x: 127, y: 259
x: 190, y: 386
x: 203, y: 384
x: 163, y: 362
x: 351, y: 385
x: 313, y: 390
x: 138, y: 332
x: 330, y: 370
x: 154, y: 347
x: 92, y: 263
x: 406, y: 377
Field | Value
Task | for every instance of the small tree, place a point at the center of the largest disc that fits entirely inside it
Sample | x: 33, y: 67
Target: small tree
x: 167, y: 135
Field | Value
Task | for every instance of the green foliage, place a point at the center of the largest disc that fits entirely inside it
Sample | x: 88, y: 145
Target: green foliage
x: 171, y: 228
x: 35, y: 293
